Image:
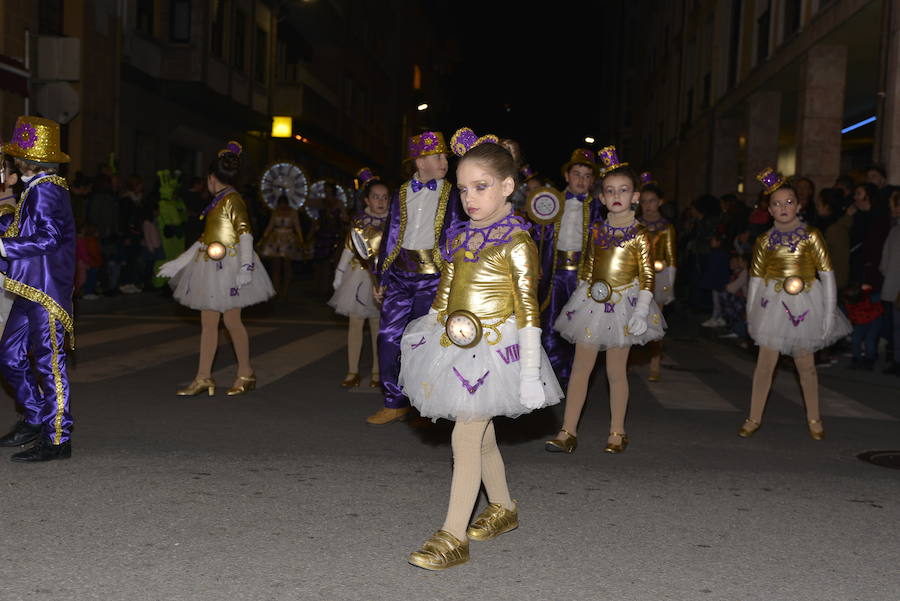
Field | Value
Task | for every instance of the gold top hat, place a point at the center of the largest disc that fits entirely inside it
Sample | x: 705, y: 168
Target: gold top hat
x: 36, y: 139
x: 425, y: 144
x: 581, y: 156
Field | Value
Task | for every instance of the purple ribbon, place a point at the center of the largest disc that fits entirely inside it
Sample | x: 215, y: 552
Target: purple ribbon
x: 469, y: 387
x: 417, y: 185
x: 580, y: 197
x: 794, y: 320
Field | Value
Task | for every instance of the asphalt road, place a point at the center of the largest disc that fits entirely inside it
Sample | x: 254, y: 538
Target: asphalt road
x: 287, y: 494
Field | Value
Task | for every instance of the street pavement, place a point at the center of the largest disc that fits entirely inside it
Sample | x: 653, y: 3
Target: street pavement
x: 287, y: 494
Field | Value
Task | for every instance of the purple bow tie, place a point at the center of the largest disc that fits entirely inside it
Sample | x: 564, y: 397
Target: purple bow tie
x: 417, y: 185
x: 580, y: 197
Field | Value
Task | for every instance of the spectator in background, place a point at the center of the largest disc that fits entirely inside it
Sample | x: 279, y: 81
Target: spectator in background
x: 806, y: 195
x: 700, y: 225
x: 890, y: 289
x: 89, y: 260
x: 151, y: 247
x: 103, y: 213
x: 829, y: 214
x: 759, y: 220
x: 877, y: 176
x: 865, y: 313
x: 131, y: 207
x: 195, y: 200
x: 716, y: 274
x: 845, y: 185
x: 80, y: 192
x: 734, y: 217
x: 734, y: 298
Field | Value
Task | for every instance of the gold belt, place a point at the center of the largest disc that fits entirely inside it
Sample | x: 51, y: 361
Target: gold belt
x: 416, y: 261
x: 568, y: 259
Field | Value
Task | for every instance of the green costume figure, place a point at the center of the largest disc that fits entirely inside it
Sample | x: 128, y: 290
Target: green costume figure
x: 171, y: 220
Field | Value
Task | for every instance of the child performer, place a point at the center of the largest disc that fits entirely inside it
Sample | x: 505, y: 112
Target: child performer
x: 220, y: 274
x: 477, y: 353
x: 612, y: 308
x: 788, y: 310
x: 282, y: 242
x: 353, y: 282
x: 410, y: 260
x: 662, y: 256
x: 562, y: 246
x: 38, y: 265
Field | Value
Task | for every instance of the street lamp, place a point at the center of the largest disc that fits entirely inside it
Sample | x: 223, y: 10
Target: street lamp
x: 282, y: 127
x: 589, y: 140
x: 423, y: 106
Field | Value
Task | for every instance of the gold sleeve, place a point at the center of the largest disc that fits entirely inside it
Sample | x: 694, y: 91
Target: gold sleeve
x: 587, y: 258
x: 443, y: 289
x: 670, y: 246
x: 524, y: 265
x: 820, y: 250
x: 236, y: 210
x: 646, y: 275
x: 758, y: 262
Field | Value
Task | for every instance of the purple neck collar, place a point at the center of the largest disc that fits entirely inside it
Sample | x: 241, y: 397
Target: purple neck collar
x: 495, y: 234
x: 607, y: 236
x: 791, y: 239
x: 212, y: 204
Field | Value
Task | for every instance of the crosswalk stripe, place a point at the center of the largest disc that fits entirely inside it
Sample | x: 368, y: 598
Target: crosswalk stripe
x: 144, y: 358
x: 832, y: 402
x: 94, y: 338
x: 683, y: 390
x: 277, y: 363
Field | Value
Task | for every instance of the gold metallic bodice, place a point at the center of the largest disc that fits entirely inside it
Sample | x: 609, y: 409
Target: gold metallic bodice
x: 781, y: 261
x: 226, y: 221
x: 662, y: 245
x: 620, y: 265
x: 502, y: 282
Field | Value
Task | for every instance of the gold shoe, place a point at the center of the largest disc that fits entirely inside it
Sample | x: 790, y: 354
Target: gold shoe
x: 441, y: 551
x: 350, y: 381
x: 654, y: 376
x: 820, y: 435
x: 617, y: 448
x: 494, y: 521
x: 562, y: 445
x: 198, y: 386
x: 386, y: 415
x: 746, y: 432
x: 247, y: 383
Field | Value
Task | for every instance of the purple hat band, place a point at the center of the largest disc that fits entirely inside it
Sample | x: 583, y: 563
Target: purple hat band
x: 647, y: 177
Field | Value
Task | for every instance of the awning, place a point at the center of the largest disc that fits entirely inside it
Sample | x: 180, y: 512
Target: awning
x: 13, y: 76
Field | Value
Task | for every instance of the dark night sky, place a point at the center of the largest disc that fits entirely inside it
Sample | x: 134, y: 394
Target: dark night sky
x: 531, y: 76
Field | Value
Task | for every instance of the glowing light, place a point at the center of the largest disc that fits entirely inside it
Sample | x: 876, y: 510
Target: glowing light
x: 423, y: 106
x: 282, y: 127
x: 589, y: 140
x: 658, y: 266
x: 215, y: 251
x: 859, y: 124
x: 794, y: 285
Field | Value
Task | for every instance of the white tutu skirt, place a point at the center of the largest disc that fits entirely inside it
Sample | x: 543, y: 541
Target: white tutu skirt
x: 466, y: 384
x: 604, y: 325
x: 664, y: 287
x: 795, y: 323
x: 207, y: 285
x: 353, y: 296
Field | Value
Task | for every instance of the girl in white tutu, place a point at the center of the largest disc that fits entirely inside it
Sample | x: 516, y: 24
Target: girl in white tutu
x: 220, y: 274
x: 477, y: 353
x: 789, y: 310
x: 353, y: 282
x: 612, y: 308
x: 662, y: 257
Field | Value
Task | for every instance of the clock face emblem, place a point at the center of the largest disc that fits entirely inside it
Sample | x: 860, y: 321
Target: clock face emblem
x: 600, y: 291
x: 544, y: 205
x: 793, y: 285
x: 360, y: 245
x: 658, y: 266
x: 463, y: 328
x: 284, y: 179
x: 215, y: 251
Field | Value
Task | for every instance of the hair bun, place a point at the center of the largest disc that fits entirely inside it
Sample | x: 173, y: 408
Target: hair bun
x: 232, y: 148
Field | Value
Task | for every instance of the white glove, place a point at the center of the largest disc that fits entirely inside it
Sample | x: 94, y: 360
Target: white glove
x: 531, y: 389
x: 637, y: 325
x: 342, y: 266
x: 171, y: 268
x: 754, y: 293
x: 830, y: 290
x: 245, y: 275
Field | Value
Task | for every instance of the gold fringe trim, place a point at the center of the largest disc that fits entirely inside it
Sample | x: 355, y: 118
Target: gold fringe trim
x: 57, y: 382
x: 13, y: 229
x: 46, y: 301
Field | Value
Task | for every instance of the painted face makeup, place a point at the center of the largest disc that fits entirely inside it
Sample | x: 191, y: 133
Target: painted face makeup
x: 618, y: 193
x: 783, y: 206
x: 482, y: 193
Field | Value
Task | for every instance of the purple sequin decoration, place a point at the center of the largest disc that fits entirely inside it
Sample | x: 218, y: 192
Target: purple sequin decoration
x: 607, y: 236
x: 770, y: 179
x: 609, y: 157
x: 25, y: 136
x: 790, y: 239
x: 471, y: 388
x: 418, y: 145
x: 212, y: 204
x: 233, y: 147
x: 795, y: 320
x: 509, y: 225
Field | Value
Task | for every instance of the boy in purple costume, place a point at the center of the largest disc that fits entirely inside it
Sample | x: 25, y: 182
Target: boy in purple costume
x: 38, y: 260
x: 409, y: 262
x: 562, y: 245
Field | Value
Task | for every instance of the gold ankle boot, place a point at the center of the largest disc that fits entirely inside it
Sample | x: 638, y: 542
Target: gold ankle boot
x: 247, y: 383
x: 746, y: 432
x: 494, y: 521
x: 562, y: 445
x: 351, y: 380
x: 617, y: 448
x: 198, y: 386
x: 820, y: 435
x: 441, y: 551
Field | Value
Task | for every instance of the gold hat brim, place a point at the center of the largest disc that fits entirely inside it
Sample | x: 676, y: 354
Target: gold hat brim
x: 45, y: 147
x: 15, y: 150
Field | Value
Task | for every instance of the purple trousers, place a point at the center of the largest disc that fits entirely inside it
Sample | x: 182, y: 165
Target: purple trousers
x: 560, y: 352
x: 28, y: 331
x: 406, y: 297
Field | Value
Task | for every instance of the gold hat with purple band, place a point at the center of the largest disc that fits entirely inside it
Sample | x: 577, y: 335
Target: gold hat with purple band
x: 609, y: 158
x: 527, y: 173
x: 364, y: 176
x: 581, y: 156
x: 425, y: 144
x: 233, y: 147
x: 647, y: 178
x: 770, y: 179
x: 36, y: 139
